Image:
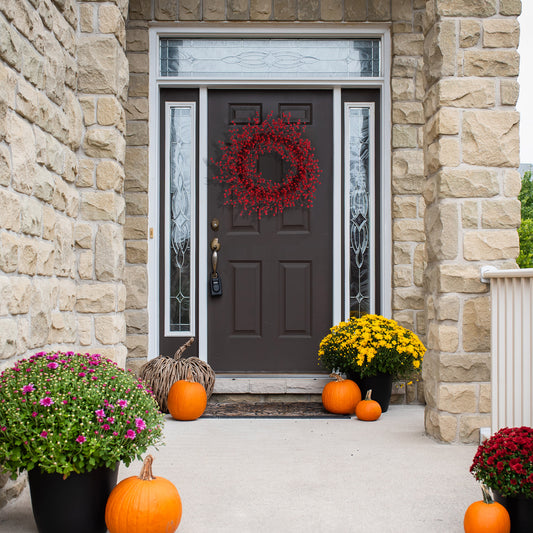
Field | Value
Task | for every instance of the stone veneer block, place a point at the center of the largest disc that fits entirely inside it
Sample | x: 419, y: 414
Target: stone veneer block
x: 285, y: 10
x: 442, y: 230
x: 166, y: 10
x: 237, y: 9
x: 510, y: 7
x: 466, y: 8
x: 260, y: 9
x: 470, y: 33
x: 501, y: 33
x: 490, y: 138
x: 476, y: 324
x: 330, y: 10
x: 490, y: 245
x: 213, y: 10
x: 491, y: 63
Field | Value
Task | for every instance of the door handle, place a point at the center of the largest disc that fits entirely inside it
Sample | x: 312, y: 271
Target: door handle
x: 215, y: 247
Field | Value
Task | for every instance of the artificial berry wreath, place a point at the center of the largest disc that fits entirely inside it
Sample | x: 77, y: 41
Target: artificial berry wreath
x: 246, y: 188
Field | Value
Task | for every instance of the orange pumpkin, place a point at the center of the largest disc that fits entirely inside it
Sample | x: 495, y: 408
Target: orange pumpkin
x: 487, y: 516
x: 341, y: 396
x: 143, y: 504
x: 368, y: 409
x: 186, y: 400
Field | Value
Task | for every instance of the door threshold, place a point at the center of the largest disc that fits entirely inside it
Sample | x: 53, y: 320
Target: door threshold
x: 270, y: 383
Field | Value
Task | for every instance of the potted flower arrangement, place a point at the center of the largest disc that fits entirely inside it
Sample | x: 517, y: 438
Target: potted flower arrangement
x: 65, y: 417
x: 372, y: 350
x: 504, y: 463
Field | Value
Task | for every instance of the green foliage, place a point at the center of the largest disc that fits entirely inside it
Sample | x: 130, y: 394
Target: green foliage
x: 68, y: 412
x: 525, y: 232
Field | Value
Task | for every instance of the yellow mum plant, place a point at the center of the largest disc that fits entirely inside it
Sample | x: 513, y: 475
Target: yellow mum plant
x: 371, y: 345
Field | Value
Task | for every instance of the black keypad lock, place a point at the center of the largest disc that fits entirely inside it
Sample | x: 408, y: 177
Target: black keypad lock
x: 215, y: 285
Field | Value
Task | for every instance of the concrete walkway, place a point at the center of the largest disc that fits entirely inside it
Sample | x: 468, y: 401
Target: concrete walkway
x: 306, y: 476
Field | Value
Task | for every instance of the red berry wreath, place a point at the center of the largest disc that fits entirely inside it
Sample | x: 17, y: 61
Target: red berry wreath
x: 245, y: 186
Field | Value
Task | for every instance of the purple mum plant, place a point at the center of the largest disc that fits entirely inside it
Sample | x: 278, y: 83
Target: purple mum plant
x: 73, y: 412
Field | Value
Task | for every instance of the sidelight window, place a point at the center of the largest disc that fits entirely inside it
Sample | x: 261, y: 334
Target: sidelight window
x: 180, y: 216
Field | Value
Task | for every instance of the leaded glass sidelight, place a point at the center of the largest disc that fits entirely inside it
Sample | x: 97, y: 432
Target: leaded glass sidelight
x: 270, y: 58
x: 180, y: 218
x: 359, y: 207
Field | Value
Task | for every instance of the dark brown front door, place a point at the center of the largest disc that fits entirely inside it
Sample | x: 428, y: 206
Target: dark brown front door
x: 276, y: 271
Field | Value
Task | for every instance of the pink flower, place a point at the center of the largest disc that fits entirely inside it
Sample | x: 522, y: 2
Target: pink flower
x: 34, y: 414
x: 110, y: 419
x: 140, y: 423
x: 81, y: 374
x: 46, y: 401
x: 106, y: 427
x: 52, y: 365
x: 130, y: 434
x: 3, y: 428
x: 44, y: 434
x: 122, y: 403
x: 80, y: 439
x: 30, y: 387
x: 99, y: 413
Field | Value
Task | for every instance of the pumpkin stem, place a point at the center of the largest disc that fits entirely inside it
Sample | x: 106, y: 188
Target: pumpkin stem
x: 487, y: 494
x: 146, y: 470
x: 181, y: 349
x: 368, y: 394
x: 189, y: 376
x: 338, y: 377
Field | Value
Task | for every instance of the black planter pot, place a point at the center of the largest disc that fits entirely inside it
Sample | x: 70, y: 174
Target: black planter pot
x: 76, y: 503
x: 381, y: 386
x: 520, y: 510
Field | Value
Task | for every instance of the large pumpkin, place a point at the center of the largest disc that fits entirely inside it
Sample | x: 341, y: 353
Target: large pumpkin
x: 187, y: 399
x: 368, y: 409
x: 487, y: 516
x: 341, y: 396
x: 143, y: 504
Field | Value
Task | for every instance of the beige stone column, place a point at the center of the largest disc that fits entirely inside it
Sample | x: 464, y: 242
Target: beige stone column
x: 471, y: 157
x: 99, y: 235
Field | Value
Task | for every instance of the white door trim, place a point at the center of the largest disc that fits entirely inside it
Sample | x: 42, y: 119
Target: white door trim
x: 256, y: 30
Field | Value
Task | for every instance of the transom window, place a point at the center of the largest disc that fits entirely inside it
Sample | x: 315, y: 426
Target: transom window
x: 270, y: 58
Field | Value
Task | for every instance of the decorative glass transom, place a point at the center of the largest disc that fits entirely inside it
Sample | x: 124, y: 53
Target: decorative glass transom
x: 358, y: 161
x: 270, y: 58
x: 179, y: 213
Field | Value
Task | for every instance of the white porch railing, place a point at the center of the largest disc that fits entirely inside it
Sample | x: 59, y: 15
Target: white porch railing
x: 512, y: 346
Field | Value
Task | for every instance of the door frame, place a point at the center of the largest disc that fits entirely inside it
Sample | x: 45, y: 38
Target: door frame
x: 157, y: 82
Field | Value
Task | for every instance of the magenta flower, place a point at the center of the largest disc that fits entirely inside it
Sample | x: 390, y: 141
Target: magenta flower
x: 3, y: 428
x: 44, y: 434
x: 122, y: 403
x: 81, y: 439
x: 30, y: 387
x: 106, y: 427
x: 53, y: 365
x: 34, y: 414
x: 46, y: 401
x: 130, y: 434
x: 140, y: 423
x: 99, y: 413
x: 110, y: 419
x: 81, y: 374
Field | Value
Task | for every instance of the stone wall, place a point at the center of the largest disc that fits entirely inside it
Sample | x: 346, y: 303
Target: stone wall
x: 471, y: 157
x: 63, y: 83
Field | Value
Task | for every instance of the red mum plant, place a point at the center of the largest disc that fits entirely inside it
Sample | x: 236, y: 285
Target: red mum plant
x: 504, y: 462
x: 246, y: 188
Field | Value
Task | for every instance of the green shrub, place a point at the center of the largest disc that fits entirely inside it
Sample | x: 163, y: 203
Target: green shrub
x: 525, y: 231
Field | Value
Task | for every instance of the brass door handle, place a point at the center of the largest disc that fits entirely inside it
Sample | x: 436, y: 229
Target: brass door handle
x: 215, y: 247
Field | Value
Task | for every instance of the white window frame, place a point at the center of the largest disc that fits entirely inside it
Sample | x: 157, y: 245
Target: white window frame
x: 229, y: 30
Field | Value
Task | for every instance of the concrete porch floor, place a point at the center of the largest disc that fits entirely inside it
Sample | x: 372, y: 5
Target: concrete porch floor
x: 306, y: 476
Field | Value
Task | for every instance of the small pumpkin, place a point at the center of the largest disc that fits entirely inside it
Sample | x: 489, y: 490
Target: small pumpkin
x: 368, y: 409
x: 187, y: 399
x: 487, y: 516
x: 143, y: 504
x: 341, y: 396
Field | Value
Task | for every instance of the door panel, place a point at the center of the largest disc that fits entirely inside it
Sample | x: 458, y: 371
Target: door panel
x: 277, y: 271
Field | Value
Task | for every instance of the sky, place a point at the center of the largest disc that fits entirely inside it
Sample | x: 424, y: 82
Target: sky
x: 525, y: 100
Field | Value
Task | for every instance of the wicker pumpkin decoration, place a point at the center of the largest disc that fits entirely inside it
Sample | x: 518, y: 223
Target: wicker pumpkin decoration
x: 187, y: 399
x: 341, y: 396
x: 162, y: 372
x: 368, y: 409
x: 143, y: 504
x: 487, y: 516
